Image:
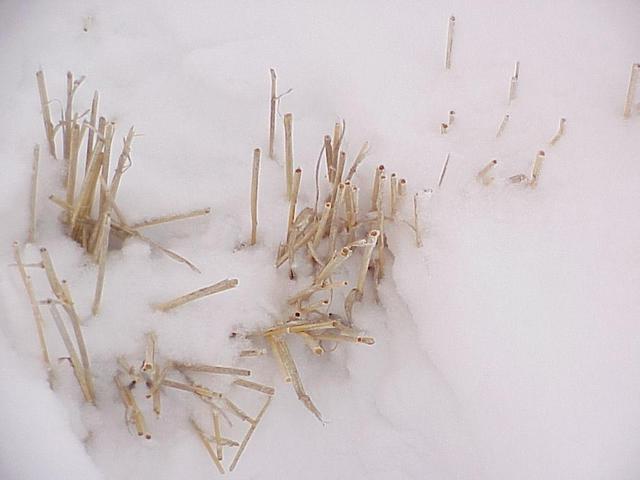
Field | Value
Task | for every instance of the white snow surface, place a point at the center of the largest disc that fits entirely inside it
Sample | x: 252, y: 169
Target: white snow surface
x: 508, y: 346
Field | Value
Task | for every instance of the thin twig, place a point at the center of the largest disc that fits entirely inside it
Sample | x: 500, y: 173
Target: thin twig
x: 196, y: 294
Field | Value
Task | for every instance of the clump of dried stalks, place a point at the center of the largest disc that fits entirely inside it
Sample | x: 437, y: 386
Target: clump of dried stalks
x: 91, y: 213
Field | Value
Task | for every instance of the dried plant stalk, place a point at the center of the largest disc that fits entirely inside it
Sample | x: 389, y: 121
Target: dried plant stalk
x: 195, y: 389
x: 444, y: 170
x: 216, y: 433
x: 252, y: 353
x: 338, y: 259
x: 288, y: 151
x: 483, y: 175
x: 560, y: 131
x: 450, y: 29
x: 202, y: 368
x: 149, y: 363
x: 402, y: 187
x: 66, y: 126
x: 451, y: 117
x: 34, y: 195
x: 335, y: 219
x: 170, y: 218
x: 307, y: 292
x: 336, y: 144
x: 631, y: 90
x: 322, y: 224
x: 254, y: 195
x: 82, y: 206
x: 102, y: 264
x: 535, y: 169
x: 130, y: 404
x: 258, y: 387
x: 362, y: 154
x: 92, y: 122
x: 78, y: 371
x: 345, y: 338
x: 416, y: 224
x: 35, y: 307
x: 372, y: 239
x: 394, y: 194
x: 125, y: 156
x: 375, y: 192
x: 293, y: 200
x: 207, y: 446
x: 272, y: 113
x: 444, y: 128
x: 282, y: 351
x: 247, y: 437
x: 238, y: 412
x: 46, y: 112
x: 158, y: 376
x: 202, y: 292
x: 62, y: 293
x: 298, y: 327
x: 502, y: 125
x: 106, y: 160
x: 328, y: 153
x: 520, y: 178
x: 513, y: 83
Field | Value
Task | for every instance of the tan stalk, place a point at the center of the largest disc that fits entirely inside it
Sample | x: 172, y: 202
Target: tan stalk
x: 258, y: 387
x: 62, y: 293
x: 444, y: 170
x: 345, y: 338
x: 287, y: 360
x: 560, y: 131
x: 402, y: 187
x: 483, y: 175
x: 196, y: 294
x: 307, y: 292
x: 322, y: 224
x: 536, y: 169
x: 216, y: 434
x: 34, y: 195
x: 298, y: 327
x: 338, y: 259
x: 444, y: 128
x: 375, y: 192
x: 92, y: 121
x: 73, y: 356
x: 252, y: 353
x: 328, y: 153
x: 106, y: 160
x: 35, y: 307
x: 288, y: 152
x: 255, y: 173
x: 81, y: 207
x: 102, y: 263
x: 293, y: 200
x: 237, y: 411
x: 394, y: 194
x: 362, y: 154
x: 170, y: 218
x: 631, y: 90
x: 272, y: 113
x: 195, y: 389
x: 335, y: 149
x: 155, y: 395
x: 66, y: 126
x: 502, y: 125
x: 271, y: 340
x: 125, y: 156
x: 131, y: 405
x: 450, y: 29
x: 247, y: 437
x: 149, y: 363
x: 520, y: 178
x: 202, y: 368
x: 336, y: 221
x: 513, y: 83
x: 207, y: 445
x: 72, y: 165
x: 299, y: 242
x: 46, y: 112
x: 416, y: 224
x: 372, y: 238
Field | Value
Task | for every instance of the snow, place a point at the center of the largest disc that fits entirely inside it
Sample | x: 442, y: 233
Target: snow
x: 506, y: 347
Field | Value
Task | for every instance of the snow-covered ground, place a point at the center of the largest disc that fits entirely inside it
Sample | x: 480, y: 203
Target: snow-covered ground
x: 508, y: 346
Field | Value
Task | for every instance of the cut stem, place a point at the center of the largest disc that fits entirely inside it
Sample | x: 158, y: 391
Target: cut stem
x: 502, y: 125
x: 34, y: 195
x: 254, y: 195
x: 560, y: 131
x: 102, y: 263
x: 272, y: 113
x: 536, y: 169
x: 288, y: 152
x: 196, y: 294
x: 450, y: 29
x: 631, y: 90
x: 46, y: 112
x: 247, y: 437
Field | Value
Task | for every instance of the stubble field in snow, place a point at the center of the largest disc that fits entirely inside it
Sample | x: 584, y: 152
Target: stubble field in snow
x: 508, y: 346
